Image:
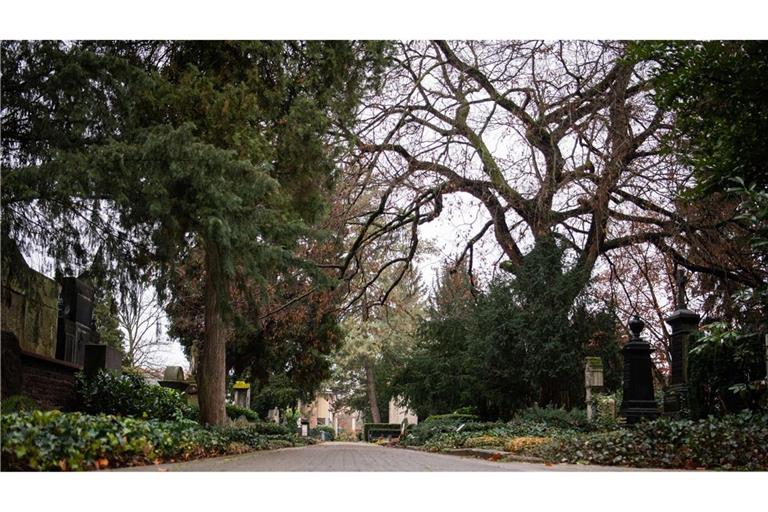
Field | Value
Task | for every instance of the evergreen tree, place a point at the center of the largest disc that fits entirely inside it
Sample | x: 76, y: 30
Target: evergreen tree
x: 221, y: 145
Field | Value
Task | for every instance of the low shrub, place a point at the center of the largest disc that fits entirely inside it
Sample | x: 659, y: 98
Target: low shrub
x: 519, y: 444
x: 270, y: 429
x: 330, y: 433
x: 485, y: 441
x: 732, y: 442
x: 347, y: 436
x: 235, y: 411
x: 52, y: 440
x: 129, y: 395
x: 375, y: 430
x: 17, y: 403
x: 553, y: 417
x: 452, y: 417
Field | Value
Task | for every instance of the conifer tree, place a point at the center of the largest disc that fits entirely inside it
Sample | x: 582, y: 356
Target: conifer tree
x: 154, y: 147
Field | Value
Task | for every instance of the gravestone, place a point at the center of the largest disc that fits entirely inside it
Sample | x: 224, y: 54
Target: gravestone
x: 75, y: 329
x: 638, y: 400
x: 97, y: 357
x: 274, y: 415
x: 242, y: 392
x: 593, y: 381
x: 684, y: 324
x: 173, y: 377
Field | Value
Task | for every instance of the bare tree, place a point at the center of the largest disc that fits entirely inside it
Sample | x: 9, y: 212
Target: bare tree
x: 142, y: 317
x: 547, y: 140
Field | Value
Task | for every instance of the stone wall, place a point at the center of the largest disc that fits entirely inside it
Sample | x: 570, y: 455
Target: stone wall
x: 29, y: 305
x: 49, y: 382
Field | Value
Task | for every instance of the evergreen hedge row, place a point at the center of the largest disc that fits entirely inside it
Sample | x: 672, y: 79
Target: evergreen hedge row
x: 374, y: 430
x: 737, y: 441
x: 52, y: 440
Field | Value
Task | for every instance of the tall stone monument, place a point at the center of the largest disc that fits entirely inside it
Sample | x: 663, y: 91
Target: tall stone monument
x: 638, y: 401
x: 593, y: 381
x: 75, y: 329
x: 684, y: 323
x: 242, y: 392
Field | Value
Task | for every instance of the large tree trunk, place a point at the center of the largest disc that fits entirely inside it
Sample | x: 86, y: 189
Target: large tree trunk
x: 211, y: 374
x: 371, y: 386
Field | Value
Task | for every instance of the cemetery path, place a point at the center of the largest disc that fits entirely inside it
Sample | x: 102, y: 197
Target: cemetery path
x: 356, y: 457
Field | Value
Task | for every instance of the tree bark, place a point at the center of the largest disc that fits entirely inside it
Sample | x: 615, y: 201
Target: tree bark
x: 211, y: 375
x: 371, y: 386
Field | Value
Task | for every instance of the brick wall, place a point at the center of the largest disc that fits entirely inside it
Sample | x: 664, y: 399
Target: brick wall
x: 49, y: 382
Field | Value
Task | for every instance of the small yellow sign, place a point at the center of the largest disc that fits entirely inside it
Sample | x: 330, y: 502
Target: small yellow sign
x: 241, y: 384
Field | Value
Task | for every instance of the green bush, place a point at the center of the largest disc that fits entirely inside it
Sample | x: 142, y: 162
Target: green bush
x: 732, y: 442
x: 270, y: 429
x: 553, y: 417
x: 235, y: 411
x: 52, y: 440
x: 129, y: 395
x: 451, y: 430
x: 375, y: 430
x: 452, y: 417
x: 328, y: 429
x: 17, y: 403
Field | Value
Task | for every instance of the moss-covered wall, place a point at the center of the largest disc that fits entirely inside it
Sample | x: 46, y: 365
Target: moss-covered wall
x: 29, y: 305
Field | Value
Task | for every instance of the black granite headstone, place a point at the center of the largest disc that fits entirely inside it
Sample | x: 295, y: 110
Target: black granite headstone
x: 99, y: 357
x: 638, y: 401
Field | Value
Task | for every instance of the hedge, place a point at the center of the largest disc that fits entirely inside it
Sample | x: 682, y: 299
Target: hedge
x: 235, y: 411
x: 52, y: 440
x: 129, y: 395
x: 328, y: 429
x: 452, y: 417
x: 732, y: 442
x: 383, y: 429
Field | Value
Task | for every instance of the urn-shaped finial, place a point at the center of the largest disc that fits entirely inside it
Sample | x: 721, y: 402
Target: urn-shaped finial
x: 636, y: 325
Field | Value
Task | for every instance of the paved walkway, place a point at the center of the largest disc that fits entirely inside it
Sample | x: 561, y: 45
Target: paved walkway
x: 355, y: 457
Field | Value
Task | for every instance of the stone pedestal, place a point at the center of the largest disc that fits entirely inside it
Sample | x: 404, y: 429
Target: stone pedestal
x: 98, y: 357
x: 242, y: 392
x: 684, y: 323
x: 75, y: 320
x: 638, y: 401
x: 593, y: 381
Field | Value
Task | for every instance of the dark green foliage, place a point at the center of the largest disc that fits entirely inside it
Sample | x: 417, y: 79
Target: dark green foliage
x: 106, y: 322
x: 732, y: 442
x: 451, y: 417
x: 726, y: 372
x: 517, y: 344
x: 45, y: 441
x: 717, y: 91
x: 554, y: 417
x: 129, y: 395
x: 17, y: 403
x: 373, y: 431
x: 451, y: 430
x: 150, y: 148
x: 234, y: 412
x: 270, y: 429
x: 330, y: 433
